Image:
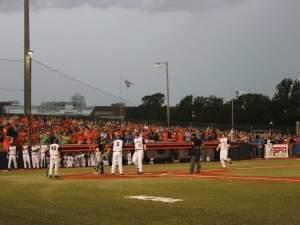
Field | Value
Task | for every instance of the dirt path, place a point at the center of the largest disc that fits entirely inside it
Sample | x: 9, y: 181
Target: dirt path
x: 205, y: 174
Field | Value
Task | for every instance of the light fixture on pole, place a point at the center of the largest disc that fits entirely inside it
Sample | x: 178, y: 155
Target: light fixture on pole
x: 168, y: 97
x: 30, y: 53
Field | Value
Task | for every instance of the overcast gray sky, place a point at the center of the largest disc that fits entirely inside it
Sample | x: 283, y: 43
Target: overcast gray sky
x: 214, y: 47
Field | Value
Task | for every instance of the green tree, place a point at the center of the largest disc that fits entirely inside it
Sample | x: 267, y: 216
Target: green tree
x: 286, y: 102
x: 155, y: 100
x: 253, y: 108
x: 208, y: 109
x: 151, y: 107
x: 184, y: 109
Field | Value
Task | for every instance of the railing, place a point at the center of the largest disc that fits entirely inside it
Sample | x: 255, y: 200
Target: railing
x: 150, y: 146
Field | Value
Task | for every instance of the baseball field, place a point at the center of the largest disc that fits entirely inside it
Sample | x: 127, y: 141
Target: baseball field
x: 249, y: 192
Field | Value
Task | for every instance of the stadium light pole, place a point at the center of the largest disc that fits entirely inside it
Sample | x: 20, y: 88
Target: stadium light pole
x: 232, y: 108
x: 168, y: 97
x: 26, y: 56
x: 27, y: 68
x: 29, y: 60
x: 232, y: 114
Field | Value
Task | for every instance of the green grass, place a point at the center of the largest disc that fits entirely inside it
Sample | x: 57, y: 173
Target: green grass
x: 28, y: 198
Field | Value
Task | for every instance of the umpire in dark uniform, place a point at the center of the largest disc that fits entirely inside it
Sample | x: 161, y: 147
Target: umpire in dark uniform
x: 195, y: 154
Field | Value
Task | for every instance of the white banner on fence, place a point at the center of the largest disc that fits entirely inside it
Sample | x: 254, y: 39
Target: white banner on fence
x: 276, y: 151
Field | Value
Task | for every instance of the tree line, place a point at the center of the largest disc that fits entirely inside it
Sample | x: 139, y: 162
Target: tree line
x: 283, y: 109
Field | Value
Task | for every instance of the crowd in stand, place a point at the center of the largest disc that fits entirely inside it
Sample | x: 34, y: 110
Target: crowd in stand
x: 44, y: 130
x: 82, y: 131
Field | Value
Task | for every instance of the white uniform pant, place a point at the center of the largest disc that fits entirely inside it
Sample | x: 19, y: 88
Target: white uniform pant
x: 35, y: 161
x: 117, y: 159
x: 70, y: 162
x: 82, y: 161
x: 129, y: 158
x: 92, y: 160
x: 43, y: 160
x: 12, y: 158
x: 224, y: 158
x: 65, y: 161
x: 53, y: 164
x: 137, y: 159
x: 26, y: 161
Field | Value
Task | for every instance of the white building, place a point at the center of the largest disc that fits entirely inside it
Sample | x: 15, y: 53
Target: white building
x: 77, y: 106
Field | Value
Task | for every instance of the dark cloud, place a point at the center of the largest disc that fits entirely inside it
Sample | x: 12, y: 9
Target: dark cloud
x: 7, y: 6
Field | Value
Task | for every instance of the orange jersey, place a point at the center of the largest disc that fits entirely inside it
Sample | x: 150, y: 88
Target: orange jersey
x: 95, y: 134
x: 180, y: 138
x: 165, y: 136
x: 174, y: 136
x: 79, y: 137
x: 6, y: 144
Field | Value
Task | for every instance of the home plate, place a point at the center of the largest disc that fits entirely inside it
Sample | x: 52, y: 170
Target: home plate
x: 155, y: 199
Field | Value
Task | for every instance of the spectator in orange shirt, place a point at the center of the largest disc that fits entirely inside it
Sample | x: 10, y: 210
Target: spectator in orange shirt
x: 95, y: 135
x: 6, y: 143
x: 165, y: 136
x: 174, y: 136
x: 79, y: 137
x: 180, y: 137
x: 88, y: 136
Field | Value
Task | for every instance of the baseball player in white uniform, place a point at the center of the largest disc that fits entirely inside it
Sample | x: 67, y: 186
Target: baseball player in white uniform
x: 129, y: 161
x: 44, y: 149
x: 224, y: 147
x: 268, y: 149
x: 117, y: 155
x: 54, y: 159
x: 26, y: 157
x: 12, y: 156
x: 70, y: 161
x: 138, y: 155
x: 35, y: 156
x: 99, y: 168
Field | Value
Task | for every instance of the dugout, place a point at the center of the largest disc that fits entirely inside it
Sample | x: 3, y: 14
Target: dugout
x: 241, y: 151
x: 3, y: 160
x: 296, y: 150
